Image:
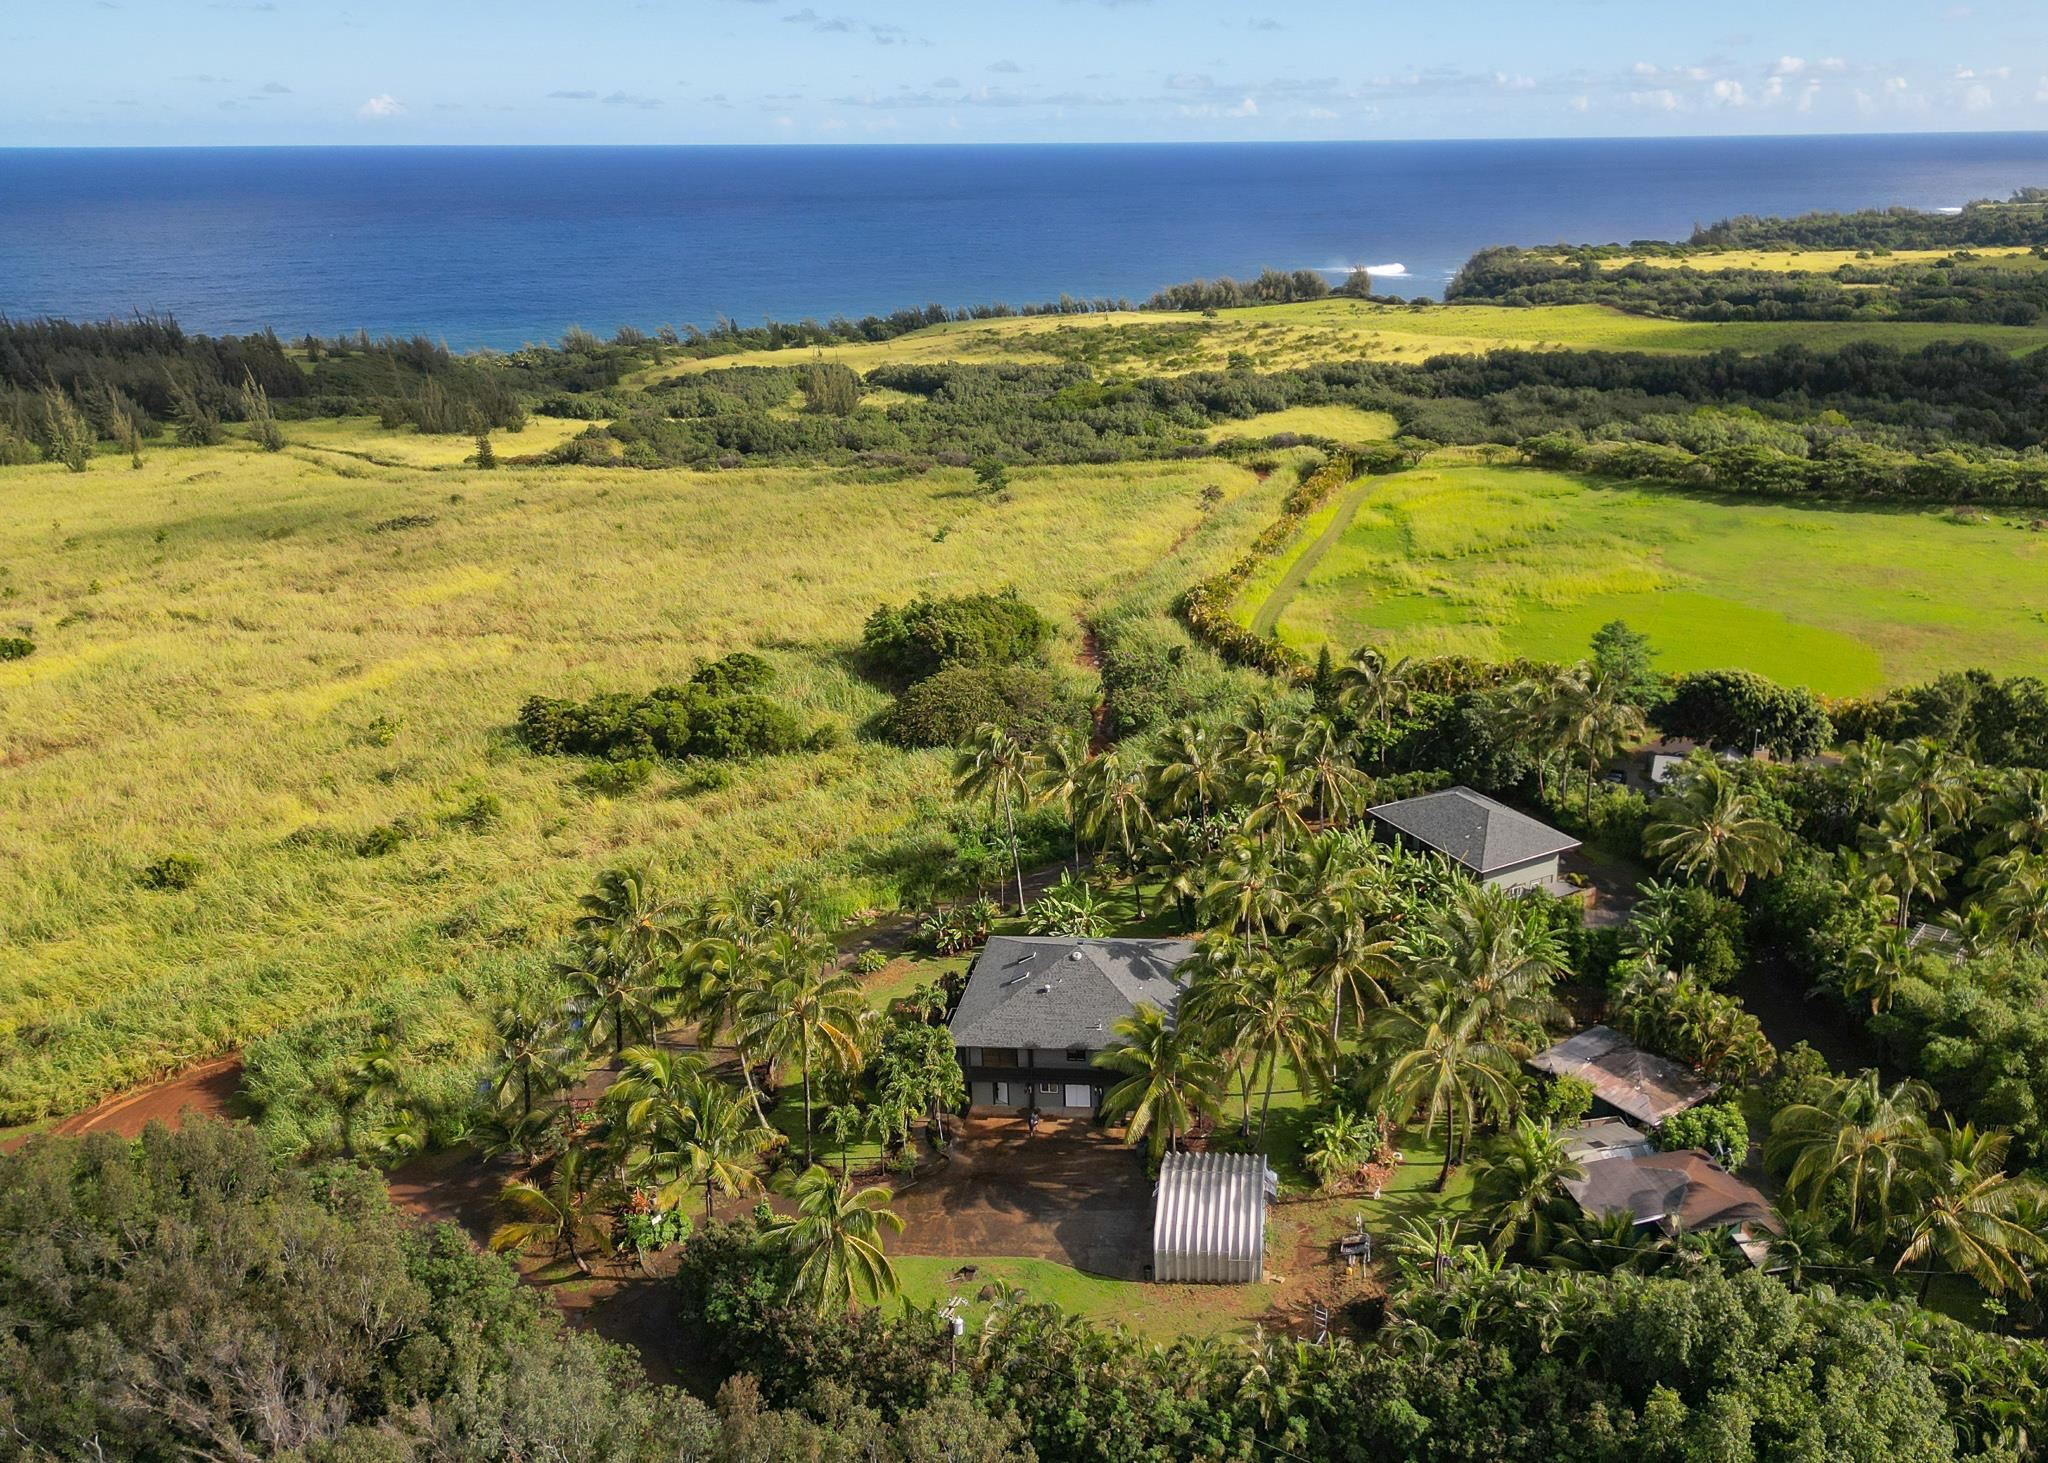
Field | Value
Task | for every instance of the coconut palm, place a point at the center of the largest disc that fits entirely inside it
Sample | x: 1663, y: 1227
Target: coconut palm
x: 1169, y: 1077
x: 532, y: 1055
x: 727, y: 970
x: 835, y: 1238
x: 808, y: 1009
x: 1189, y: 771
x: 1927, y: 777
x: 1280, y: 800
x: 378, y: 1070
x: 1966, y: 1214
x: 2018, y: 814
x: 609, y: 997
x: 679, y: 1125
x: 1518, y: 1179
x: 1711, y: 830
x: 721, y: 1139
x: 1057, y: 771
x: 1249, y: 895
x: 1115, y: 812
x: 1908, y: 853
x: 626, y: 917
x: 564, y: 1216
x: 1859, y: 1135
x: 1876, y: 965
x: 1592, y: 719
x: 1344, y: 951
x: 2015, y: 898
x: 995, y: 769
x: 1434, y: 1062
x: 1375, y: 689
x: 1275, y: 1015
x: 1502, y: 958
x: 1334, y: 784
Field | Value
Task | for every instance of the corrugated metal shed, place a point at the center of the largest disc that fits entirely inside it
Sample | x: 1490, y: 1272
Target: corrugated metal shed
x: 1209, y: 1219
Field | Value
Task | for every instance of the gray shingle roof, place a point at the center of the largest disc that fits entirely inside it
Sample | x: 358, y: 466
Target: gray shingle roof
x: 1051, y: 992
x: 1682, y: 1191
x: 1474, y: 830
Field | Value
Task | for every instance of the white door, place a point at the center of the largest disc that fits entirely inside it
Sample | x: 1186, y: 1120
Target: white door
x: 1079, y: 1094
x: 1002, y: 1094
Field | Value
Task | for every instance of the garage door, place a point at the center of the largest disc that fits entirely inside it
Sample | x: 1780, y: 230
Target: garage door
x: 1080, y: 1094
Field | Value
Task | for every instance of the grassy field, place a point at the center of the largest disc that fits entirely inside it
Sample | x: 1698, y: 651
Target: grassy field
x: 1507, y: 561
x: 1810, y: 261
x: 1273, y: 337
x: 255, y: 661
x: 1338, y: 423
x: 362, y: 438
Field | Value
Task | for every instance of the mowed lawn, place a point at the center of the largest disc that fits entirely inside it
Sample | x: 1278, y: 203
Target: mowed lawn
x: 254, y: 661
x: 1277, y: 337
x: 1498, y: 561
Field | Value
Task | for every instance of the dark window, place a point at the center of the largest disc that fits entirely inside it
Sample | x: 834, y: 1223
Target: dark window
x: 999, y: 1056
x: 1078, y: 1055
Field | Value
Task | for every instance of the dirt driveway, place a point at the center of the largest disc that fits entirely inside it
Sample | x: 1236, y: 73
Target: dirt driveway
x: 1069, y: 1193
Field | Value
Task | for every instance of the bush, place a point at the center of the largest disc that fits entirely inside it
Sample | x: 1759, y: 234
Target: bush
x: 1718, y: 1127
x: 384, y: 838
x: 732, y: 674
x: 1742, y: 710
x: 1563, y: 1100
x: 870, y: 962
x: 172, y: 871
x: 16, y: 647
x: 944, y: 710
x: 719, y: 714
x: 927, y: 635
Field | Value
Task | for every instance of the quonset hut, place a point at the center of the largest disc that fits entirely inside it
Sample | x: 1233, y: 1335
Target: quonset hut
x: 1209, y: 1218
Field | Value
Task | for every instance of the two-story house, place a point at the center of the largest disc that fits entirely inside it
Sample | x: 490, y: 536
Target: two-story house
x: 1037, y: 1008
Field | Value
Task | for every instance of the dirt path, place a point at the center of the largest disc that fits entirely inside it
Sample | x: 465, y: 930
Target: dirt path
x: 1089, y: 658
x: 208, y: 1089
x: 1298, y: 572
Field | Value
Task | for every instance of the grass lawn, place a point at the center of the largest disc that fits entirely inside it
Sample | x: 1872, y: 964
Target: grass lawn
x: 1494, y: 561
x: 255, y: 660
x: 1814, y: 261
x: 1277, y: 337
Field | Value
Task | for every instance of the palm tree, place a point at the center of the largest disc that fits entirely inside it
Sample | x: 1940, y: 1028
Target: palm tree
x: 1593, y: 719
x: 1168, y: 1077
x: 627, y: 917
x: 1113, y: 799
x: 1711, y: 829
x: 1931, y: 780
x: 1189, y: 771
x: 995, y: 769
x: 1344, y: 952
x: 567, y: 1215
x: 1057, y: 771
x: 608, y: 992
x: 1857, y: 1134
x: 1375, y: 689
x: 1877, y: 964
x: 378, y: 1070
x: 533, y: 1053
x: 1434, y: 1063
x: 836, y: 1239
x: 1907, y: 852
x: 1968, y: 1213
x: 1519, y: 1178
x: 2018, y: 815
x: 682, y: 1126
x: 1500, y: 956
x: 2016, y: 907
x: 1280, y: 800
x: 809, y: 1007
x: 1278, y: 1016
x: 1249, y: 894
x: 721, y: 1138
x: 1334, y: 783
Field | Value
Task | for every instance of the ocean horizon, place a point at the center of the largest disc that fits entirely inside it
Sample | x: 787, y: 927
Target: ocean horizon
x: 500, y: 246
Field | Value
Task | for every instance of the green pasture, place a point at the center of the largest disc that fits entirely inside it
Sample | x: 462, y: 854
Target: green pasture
x: 1338, y: 423
x: 256, y: 660
x: 1496, y: 561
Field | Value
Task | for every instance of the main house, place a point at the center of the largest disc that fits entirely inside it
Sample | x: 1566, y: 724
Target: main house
x: 1491, y: 842
x: 1037, y: 1009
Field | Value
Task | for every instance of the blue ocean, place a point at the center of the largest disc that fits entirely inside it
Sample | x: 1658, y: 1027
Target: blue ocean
x: 500, y: 246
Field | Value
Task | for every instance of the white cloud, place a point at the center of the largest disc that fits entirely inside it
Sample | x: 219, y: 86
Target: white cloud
x: 381, y: 106
x: 1728, y: 93
x: 1978, y: 99
x: 1580, y: 104
x: 1644, y: 68
x: 1663, y: 100
x: 1897, y: 85
x: 1789, y: 66
x: 1834, y: 63
x: 1245, y: 108
x: 785, y: 121
x: 1506, y: 82
x: 1324, y: 114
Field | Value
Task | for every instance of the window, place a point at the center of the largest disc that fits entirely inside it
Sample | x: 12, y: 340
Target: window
x: 1078, y: 1055
x: 999, y: 1056
x: 1048, y: 1087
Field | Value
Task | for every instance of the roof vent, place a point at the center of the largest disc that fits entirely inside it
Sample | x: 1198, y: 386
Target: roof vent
x: 1073, y: 955
x: 1045, y: 990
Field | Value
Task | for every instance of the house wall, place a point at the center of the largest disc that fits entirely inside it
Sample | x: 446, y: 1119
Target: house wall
x: 1048, y: 1081
x: 1528, y: 876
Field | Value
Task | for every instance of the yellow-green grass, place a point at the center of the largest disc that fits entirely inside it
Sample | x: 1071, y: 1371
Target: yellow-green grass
x: 234, y: 664
x: 364, y: 438
x: 1275, y: 337
x: 1809, y: 261
x: 1338, y: 423
x: 1494, y: 562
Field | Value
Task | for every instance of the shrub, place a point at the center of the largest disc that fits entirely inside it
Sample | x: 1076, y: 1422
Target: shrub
x: 728, y: 727
x: 870, y: 962
x: 1743, y: 710
x: 1718, y: 1127
x: 945, y: 709
x: 384, y: 838
x: 172, y: 871
x: 927, y: 635
x: 616, y: 779
x: 1563, y: 1100
x: 16, y: 647
x: 732, y: 674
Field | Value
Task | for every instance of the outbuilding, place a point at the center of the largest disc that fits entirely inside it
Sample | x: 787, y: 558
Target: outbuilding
x: 1488, y: 840
x: 1209, y: 1218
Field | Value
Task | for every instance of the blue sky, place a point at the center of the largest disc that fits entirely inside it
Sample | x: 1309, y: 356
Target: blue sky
x: 126, y: 72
